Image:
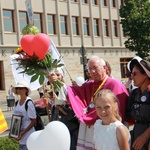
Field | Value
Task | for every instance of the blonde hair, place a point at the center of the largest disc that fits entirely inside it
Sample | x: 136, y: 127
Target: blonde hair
x: 108, y: 94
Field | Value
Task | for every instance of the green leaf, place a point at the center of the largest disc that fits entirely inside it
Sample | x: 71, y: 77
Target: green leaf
x: 60, y: 65
x: 30, y: 72
x: 135, y: 21
x: 34, y: 78
x: 41, y: 79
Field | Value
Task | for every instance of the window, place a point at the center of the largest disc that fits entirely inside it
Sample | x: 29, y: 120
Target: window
x: 8, y: 20
x: 2, y: 77
x: 123, y: 33
x: 123, y: 66
x: 38, y: 21
x: 75, y: 26
x: 86, y: 26
x: 94, y: 2
x: 23, y: 19
x: 84, y: 1
x: 121, y: 2
x: 106, y: 27
x: 105, y: 2
x: 51, y: 24
x: 115, y: 28
x: 96, y: 27
x: 113, y: 3
x: 73, y: 0
x: 63, y: 24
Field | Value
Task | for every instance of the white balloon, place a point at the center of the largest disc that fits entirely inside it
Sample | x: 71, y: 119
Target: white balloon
x: 55, y: 136
x: 32, y: 139
x: 79, y: 80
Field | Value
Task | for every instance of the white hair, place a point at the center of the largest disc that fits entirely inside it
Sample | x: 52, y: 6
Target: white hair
x: 101, y: 61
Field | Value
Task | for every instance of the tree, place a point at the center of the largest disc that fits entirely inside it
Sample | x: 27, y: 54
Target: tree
x: 135, y: 20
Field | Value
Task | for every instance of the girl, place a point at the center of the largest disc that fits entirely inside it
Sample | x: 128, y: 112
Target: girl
x: 28, y: 116
x: 109, y: 132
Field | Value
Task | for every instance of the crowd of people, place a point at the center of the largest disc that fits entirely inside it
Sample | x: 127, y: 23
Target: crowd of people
x: 98, y: 112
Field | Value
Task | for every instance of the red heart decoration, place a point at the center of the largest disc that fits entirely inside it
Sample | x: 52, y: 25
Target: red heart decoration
x: 36, y: 44
x: 40, y: 45
x: 25, y: 42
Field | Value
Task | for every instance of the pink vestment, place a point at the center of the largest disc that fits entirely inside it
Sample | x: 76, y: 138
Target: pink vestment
x: 80, y: 98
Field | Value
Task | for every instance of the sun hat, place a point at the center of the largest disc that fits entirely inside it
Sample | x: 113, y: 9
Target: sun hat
x: 143, y: 63
x: 60, y: 70
x: 21, y: 84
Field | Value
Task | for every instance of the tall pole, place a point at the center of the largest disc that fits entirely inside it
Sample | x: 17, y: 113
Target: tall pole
x: 83, y: 52
x: 29, y: 11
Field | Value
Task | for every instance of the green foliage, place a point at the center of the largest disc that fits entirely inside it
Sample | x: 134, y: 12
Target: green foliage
x: 8, y: 144
x: 135, y: 20
x: 36, y: 68
x: 30, y: 29
x: 39, y: 69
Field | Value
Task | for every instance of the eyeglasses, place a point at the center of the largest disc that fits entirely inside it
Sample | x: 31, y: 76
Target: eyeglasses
x: 95, y: 68
x: 19, y: 88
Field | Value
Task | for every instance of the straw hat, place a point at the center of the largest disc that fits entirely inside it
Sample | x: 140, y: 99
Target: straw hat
x: 21, y: 84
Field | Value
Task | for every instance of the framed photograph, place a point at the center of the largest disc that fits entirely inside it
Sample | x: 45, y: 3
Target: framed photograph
x: 15, y: 126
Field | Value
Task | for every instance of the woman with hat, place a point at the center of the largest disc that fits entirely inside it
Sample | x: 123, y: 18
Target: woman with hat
x: 28, y: 115
x: 139, y: 104
x: 63, y: 112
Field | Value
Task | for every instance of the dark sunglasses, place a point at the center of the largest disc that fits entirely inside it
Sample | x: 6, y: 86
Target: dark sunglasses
x: 19, y: 88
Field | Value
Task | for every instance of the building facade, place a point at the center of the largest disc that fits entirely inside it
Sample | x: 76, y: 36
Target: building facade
x: 73, y: 25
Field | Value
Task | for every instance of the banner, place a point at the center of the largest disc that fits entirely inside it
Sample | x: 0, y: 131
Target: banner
x: 29, y: 11
x: 3, y: 123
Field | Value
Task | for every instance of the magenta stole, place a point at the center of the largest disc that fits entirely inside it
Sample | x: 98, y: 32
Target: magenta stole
x: 80, y: 98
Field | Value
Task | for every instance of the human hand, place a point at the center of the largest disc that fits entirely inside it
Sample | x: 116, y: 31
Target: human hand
x: 19, y: 137
x: 9, y: 136
x: 45, y: 100
x: 139, y: 142
x: 74, y: 83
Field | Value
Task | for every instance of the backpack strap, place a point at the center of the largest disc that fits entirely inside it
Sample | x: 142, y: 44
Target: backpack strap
x: 16, y: 102
x: 26, y: 104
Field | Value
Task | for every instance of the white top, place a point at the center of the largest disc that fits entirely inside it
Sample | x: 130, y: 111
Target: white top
x: 61, y: 97
x: 26, y: 115
x: 105, y: 137
x: 40, y: 90
x: 10, y: 93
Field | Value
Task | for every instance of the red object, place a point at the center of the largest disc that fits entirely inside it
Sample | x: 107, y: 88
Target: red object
x: 131, y: 121
x: 36, y: 44
x: 26, y: 44
x: 40, y: 106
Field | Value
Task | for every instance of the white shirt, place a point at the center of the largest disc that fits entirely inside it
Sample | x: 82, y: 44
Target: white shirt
x: 105, y: 137
x: 26, y: 115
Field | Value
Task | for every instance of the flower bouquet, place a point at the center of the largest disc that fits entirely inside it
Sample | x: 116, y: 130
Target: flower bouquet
x: 36, y: 60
